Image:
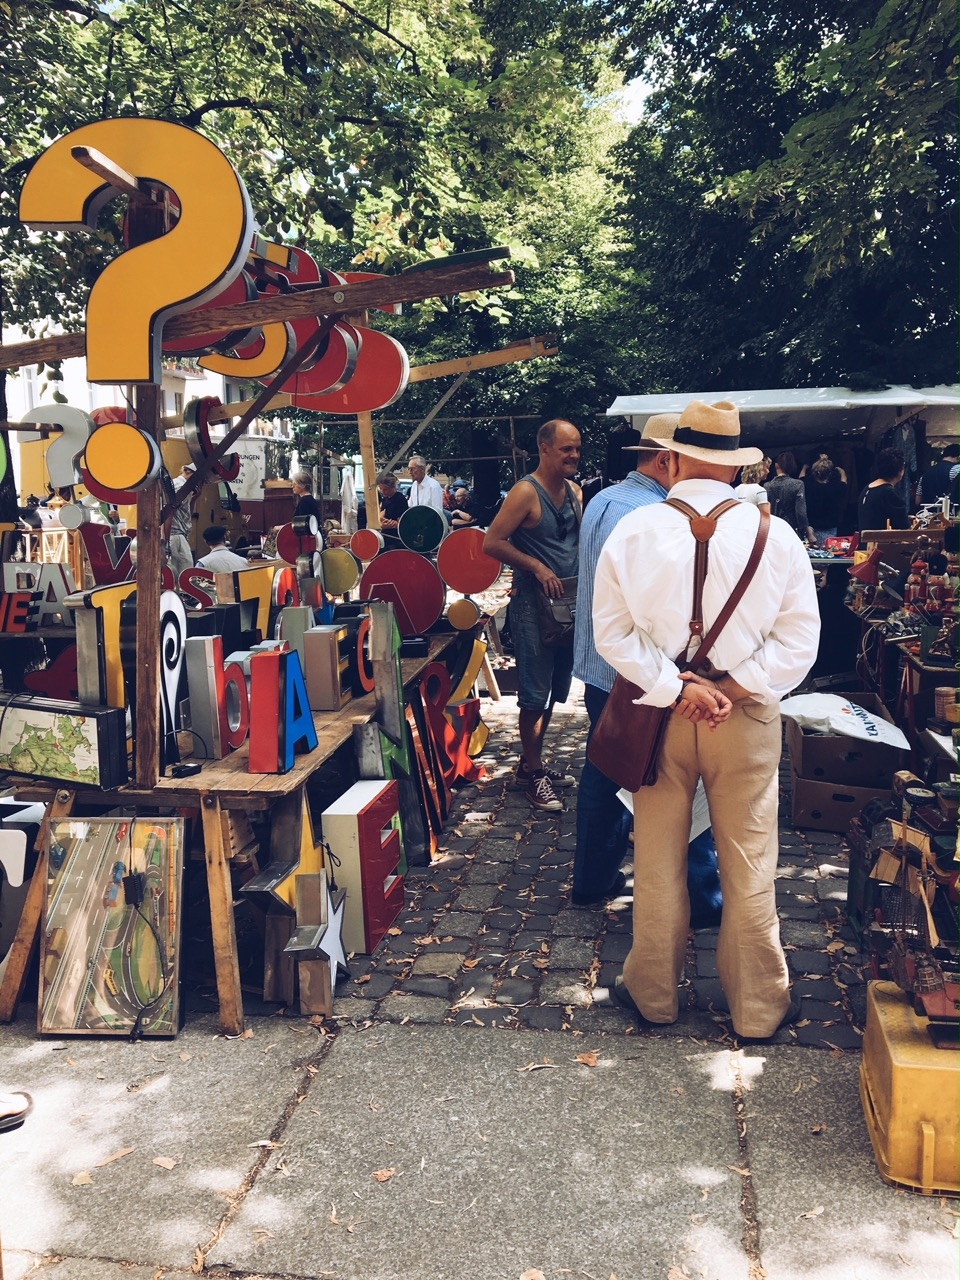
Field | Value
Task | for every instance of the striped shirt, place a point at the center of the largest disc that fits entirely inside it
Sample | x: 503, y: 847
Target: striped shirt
x: 603, y: 513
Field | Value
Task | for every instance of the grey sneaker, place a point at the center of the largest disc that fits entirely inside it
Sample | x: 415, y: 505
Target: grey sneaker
x: 559, y: 780
x: 540, y: 792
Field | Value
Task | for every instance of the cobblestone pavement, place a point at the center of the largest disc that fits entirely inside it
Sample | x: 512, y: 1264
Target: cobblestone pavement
x: 488, y: 935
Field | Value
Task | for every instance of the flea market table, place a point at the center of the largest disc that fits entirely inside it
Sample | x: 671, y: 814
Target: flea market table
x: 224, y: 792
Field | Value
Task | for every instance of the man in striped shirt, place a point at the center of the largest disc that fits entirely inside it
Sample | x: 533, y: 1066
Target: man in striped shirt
x: 603, y: 824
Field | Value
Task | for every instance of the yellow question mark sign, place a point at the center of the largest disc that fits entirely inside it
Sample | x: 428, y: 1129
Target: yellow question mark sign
x: 203, y: 252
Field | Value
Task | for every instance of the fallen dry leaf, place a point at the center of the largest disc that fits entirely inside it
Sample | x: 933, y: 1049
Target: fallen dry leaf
x: 589, y: 1058
x: 364, y: 977
x: 265, y: 1142
x: 819, y: 1128
x: 117, y: 1155
x: 394, y: 933
x: 804, y: 1022
x: 248, y: 1034
x: 678, y: 1273
x: 470, y: 964
x: 82, y: 1179
x: 533, y: 1274
x: 735, y: 1168
x: 165, y: 1162
x: 537, y: 1066
x: 185, y: 1057
x: 836, y: 945
x: 811, y: 1213
x: 262, y: 1234
x: 199, y: 1262
x: 383, y: 1175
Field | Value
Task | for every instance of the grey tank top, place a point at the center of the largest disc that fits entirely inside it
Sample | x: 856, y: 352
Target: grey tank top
x: 544, y: 540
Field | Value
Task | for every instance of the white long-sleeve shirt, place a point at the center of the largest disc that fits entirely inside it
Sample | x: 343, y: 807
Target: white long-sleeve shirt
x: 426, y: 493
x: 644, y: 591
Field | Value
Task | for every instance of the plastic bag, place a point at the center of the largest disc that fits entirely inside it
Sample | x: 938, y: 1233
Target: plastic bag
x: 830, y: 713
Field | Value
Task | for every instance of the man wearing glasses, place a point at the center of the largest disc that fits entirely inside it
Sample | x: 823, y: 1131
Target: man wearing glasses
x: 537, y: 532
x: 425, y: 491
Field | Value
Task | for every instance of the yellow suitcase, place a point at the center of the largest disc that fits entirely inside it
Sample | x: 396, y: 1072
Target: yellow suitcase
x: 910, y: 1091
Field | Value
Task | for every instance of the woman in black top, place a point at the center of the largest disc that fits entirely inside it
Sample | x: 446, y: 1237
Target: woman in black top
x: 786, y: 495
x: 392, y: 506
x: 826, y: 493
x: 881, y: 500
x: 307, y: 505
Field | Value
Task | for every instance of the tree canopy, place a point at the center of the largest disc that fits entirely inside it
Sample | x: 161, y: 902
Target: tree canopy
x: 784, y: 212
x: 790, y: 197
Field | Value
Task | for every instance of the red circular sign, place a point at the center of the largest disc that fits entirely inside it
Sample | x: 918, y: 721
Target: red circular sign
x: 464, y: 565
x: 411, y: 583
x: 366, y: 543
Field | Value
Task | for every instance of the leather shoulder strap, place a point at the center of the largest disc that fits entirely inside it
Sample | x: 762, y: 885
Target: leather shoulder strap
x: 703, y: 527
x: 736, y: 595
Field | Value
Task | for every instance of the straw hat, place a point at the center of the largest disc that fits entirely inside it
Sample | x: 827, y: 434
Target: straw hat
x: 657, y: 428
x: 710, y: 432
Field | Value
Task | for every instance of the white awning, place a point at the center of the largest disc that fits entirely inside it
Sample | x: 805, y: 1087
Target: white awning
x: 807, y: 414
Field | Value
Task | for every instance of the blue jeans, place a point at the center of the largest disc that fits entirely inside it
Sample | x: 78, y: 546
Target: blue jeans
x: 603, y: 825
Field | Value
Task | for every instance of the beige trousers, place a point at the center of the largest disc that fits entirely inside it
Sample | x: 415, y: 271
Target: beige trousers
x: 738, y: 763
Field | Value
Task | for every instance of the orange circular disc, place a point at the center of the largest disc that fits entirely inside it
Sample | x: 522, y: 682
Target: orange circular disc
x: 119, y: 456
x: 463, y: 615
x: 366, y: 543
x: 464, y: 565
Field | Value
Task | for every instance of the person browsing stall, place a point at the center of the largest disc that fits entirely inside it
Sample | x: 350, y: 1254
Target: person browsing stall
x: 180, y: 526
x: 603, y: 824
x: 465, y: 511
x: 787, y: 496
x: 537, y: 532
x: 881, y: 501
x: 425, y: 491
x: 392, y: 506
x: 725, y: 723
x: 219, y: 559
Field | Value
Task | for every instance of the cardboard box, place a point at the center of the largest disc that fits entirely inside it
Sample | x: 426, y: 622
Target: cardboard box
x: 854, y: 762
x: 830, y: 806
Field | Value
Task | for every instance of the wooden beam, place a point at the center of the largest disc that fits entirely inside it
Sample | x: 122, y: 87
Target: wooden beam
x: 297, y: 305
x: 222, y: 925
x: 149, y: 565
x: 368, y: 453
x: 111, y: 172
x: 30, y: 917
x: 526, y: 349
x: 422, y: 425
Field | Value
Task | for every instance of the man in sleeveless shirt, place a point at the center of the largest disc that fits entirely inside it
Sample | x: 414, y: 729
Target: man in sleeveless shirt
x: 537, y: 532
x: 725, y: 725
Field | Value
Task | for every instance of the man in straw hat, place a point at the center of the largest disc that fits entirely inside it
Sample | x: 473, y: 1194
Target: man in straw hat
x: 725, y: 725
x: 603, y: 824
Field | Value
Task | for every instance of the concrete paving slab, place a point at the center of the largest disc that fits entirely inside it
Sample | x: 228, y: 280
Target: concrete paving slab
x: 198, y: 1100
x: 93, y: 1269
x: 825, y: 1213
x: 621, y: 1168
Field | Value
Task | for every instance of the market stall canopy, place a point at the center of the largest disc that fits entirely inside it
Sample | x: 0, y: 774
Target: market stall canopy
x: 806, y: 415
